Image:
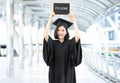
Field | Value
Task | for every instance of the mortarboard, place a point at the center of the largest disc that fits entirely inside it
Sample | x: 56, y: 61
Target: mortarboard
x: 63, y: 22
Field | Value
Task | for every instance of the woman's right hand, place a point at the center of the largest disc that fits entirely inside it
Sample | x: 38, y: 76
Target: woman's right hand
x: 47, y: 29
x: 52, y: 14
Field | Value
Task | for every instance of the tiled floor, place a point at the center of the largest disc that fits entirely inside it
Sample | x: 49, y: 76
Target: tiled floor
x: 38, y: 72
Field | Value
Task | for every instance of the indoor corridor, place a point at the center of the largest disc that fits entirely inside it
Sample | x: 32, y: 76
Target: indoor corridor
x: 22, y: 26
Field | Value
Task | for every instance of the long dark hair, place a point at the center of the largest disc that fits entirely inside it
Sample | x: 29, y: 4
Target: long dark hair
x: 56, y: 35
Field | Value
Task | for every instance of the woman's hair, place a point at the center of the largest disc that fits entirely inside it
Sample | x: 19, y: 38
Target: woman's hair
x: 56, y: 35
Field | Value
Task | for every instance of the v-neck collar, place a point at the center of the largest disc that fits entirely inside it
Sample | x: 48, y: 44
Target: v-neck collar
x: 61, y: 42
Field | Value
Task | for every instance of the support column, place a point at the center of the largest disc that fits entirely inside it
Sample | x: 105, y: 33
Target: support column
x: 117, y: 33
x: 10, y: 45
x: 30, y: 42
x: 21, y: 36
x: 105, y: 38
x: 37, y: 42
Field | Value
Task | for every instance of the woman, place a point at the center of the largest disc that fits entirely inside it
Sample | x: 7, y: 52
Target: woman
x: 62, y: 54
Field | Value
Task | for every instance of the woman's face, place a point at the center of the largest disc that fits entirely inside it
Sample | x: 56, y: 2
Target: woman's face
x: 61, y: 32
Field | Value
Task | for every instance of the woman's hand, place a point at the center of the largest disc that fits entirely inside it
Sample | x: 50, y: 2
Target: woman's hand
x: 71, y: 16
x: 75, y: 27
x: 47, y: 29
x: 52, y: 14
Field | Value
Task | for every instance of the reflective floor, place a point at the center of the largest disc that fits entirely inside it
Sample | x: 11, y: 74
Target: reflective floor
x: 38, y: 72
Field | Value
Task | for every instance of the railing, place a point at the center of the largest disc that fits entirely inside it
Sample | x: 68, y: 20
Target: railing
x: 104, y: 64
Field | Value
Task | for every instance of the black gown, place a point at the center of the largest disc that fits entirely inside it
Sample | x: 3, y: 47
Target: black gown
x: 62, y: 59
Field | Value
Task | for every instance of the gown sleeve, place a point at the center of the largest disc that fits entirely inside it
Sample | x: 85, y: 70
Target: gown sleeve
x: 75, y: 52
x: 48, y: 51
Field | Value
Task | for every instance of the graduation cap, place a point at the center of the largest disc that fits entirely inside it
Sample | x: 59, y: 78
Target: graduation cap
x: 63, y: 22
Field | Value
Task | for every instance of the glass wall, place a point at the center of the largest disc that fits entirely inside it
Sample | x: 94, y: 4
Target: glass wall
x: 102, y: 55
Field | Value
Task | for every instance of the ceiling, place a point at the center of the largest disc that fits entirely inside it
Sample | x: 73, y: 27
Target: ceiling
x: 85, y: 11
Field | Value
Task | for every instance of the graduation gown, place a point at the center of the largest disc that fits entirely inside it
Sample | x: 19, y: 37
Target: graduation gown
x: 62, y: 59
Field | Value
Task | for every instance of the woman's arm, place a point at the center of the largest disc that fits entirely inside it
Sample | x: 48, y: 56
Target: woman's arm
x: 75, y: 27
x: 47, y: 28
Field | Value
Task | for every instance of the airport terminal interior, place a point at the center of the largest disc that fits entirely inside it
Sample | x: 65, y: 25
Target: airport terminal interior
x: 22, y: 25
